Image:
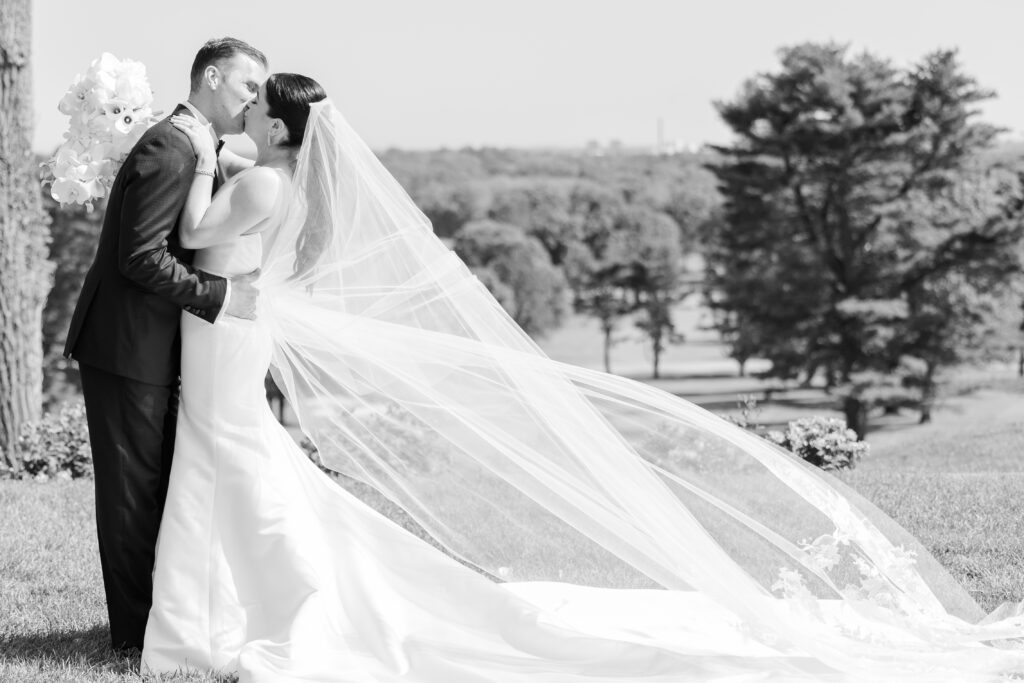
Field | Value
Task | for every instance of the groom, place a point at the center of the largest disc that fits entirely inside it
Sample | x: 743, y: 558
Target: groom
x: 124, y: 332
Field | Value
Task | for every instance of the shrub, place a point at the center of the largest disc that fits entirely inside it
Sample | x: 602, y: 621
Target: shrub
x: 822, y: 441
x: 750, y: 413
x: 56, y: 447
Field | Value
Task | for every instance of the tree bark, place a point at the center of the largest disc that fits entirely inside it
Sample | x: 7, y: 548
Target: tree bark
x: 928, y: 392
x: 856, y: 413
x: 608, y: 348
x: 24, y: 270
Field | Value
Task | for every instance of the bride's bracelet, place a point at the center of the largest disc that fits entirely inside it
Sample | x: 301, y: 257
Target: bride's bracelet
x: 200, y: 171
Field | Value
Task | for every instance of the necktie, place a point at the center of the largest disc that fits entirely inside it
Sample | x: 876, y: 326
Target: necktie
x: 216, y: 168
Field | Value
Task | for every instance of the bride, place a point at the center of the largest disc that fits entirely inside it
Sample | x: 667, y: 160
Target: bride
x: 554, y: 523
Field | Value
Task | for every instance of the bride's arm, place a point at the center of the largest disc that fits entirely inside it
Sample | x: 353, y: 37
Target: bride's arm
x: 232, y: 164
x: 237, y: 208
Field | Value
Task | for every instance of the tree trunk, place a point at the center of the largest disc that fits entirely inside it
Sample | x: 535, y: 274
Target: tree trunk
x: 809, y: 372
x: 607, y: 348
x: 24, y: 270
x: 657, y: 359
x: 928, y: 391
x: 856, y: 415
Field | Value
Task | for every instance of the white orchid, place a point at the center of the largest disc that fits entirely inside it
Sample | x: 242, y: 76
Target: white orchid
x: 74, y: 98
x: 110, y: 107
x: 125, y: 122
x: 68, y: 191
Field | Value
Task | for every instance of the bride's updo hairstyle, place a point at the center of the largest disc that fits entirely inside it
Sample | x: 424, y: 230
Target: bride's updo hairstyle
x: 288, y: 99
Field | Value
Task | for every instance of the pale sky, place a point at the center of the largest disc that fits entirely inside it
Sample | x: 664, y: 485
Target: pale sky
x: 432, y: 73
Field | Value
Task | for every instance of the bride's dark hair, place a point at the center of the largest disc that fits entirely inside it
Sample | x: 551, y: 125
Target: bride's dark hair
x: 288, y: 99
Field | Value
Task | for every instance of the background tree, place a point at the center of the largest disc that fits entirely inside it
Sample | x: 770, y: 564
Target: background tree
x: 596, y: 210
x: 818, y: 254
x: 688, y: 194
x: 450, y: 206
x: 24, y: 271
x: 597, y: 274
x: 541, y: 206
x: 74, y: 232
x: 958, y: 297
x: 518, y: 271
x: 1006, y: 335
x: 738, y: 336
x: 601, y: 293
x: 646, y: 244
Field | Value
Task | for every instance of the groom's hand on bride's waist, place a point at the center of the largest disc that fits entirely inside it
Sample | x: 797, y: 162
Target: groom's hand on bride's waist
x: 242, y: 302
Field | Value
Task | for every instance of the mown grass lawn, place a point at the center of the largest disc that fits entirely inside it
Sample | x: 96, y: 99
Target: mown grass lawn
x: 957, y: 485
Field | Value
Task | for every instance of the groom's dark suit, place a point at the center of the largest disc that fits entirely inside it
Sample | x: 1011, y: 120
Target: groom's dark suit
x: 125, y: 336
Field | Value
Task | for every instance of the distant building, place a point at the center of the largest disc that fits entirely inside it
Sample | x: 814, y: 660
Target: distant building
x: 595, y: 148
x: 665, y: 147
x: 673, y: 147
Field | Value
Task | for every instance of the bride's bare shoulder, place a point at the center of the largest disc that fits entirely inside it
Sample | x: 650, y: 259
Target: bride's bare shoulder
x: 258, y: 186
x: 260, y: 178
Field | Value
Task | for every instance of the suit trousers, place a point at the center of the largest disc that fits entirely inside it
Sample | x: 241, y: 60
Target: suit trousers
x: 131, y: 430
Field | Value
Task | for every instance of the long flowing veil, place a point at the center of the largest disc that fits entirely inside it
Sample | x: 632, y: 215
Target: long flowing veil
x: 408, y: 376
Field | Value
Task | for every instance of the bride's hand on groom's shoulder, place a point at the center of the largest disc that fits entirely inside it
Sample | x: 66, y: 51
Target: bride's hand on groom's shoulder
x: 202, y: 141
x: 242, y: 302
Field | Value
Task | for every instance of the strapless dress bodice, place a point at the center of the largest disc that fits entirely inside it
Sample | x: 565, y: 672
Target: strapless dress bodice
x: 239, y: 256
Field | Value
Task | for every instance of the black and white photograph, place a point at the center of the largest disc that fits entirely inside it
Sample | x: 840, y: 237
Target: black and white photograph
x: 577, y: 341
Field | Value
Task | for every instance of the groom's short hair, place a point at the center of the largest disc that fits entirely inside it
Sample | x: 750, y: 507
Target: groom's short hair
x: 218, y: 49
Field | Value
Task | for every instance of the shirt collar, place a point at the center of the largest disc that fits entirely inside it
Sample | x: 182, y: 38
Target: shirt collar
x: 203, y: 120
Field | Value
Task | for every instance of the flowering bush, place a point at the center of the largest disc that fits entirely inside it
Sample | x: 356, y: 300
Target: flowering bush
x: 822, y: 441
x: 110, y: 109
x: 56, y: 447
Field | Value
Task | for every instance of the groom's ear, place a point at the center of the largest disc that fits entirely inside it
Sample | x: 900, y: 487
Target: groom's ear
x: 212, y: 76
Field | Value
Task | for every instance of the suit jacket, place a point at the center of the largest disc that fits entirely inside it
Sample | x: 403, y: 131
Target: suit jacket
x: 127, y: 318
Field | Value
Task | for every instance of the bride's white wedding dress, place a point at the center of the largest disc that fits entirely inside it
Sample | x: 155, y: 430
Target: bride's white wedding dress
x: 268, y: 568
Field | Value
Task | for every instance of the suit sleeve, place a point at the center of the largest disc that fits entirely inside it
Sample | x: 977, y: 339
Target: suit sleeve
x: 156, y: 186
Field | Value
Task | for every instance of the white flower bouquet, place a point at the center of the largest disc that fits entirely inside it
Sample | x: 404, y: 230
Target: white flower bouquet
x: 110, y: 108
